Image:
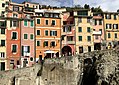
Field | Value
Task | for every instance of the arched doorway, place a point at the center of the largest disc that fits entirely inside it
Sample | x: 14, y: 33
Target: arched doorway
x: 67, y: 51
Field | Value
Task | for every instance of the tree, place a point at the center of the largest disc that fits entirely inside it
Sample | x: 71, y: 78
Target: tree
x: 86, y: 6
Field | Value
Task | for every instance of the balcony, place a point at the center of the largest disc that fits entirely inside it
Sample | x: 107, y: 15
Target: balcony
x: 70, y: 42
x: 97, y: 32
x: 26, y: 54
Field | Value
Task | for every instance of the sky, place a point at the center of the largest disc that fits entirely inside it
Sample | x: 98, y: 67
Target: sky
x: 106, y: 5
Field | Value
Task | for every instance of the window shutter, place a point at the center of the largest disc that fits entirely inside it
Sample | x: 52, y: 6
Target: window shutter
x: 50, y: 33
x: 22, y: 50
x: 28, y: 49
x: 55, y: 33
x: 10, y: 23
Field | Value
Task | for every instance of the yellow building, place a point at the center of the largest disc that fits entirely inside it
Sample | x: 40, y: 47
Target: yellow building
x: 111, y: 25
x: 83, y: 31
x: 3, y: 64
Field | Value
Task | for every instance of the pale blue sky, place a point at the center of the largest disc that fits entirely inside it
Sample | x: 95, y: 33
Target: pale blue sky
x: 106, y: 5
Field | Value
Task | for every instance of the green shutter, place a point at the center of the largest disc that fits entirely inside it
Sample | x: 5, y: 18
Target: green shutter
x: 31, y: 36
x: 38, y: 21
x: 2, y: 42
x: 22, y: 50
x: 25, y: 22
x: 46, y: 32
x: 14, y: 48
x: 28, y: 49
x: 38, y: 43
x: 25, y: 36
x: 32, y: 23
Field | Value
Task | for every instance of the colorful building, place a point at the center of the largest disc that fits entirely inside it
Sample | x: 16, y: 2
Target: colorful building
x: 83, y: 30
x: 68, y: 33
x: 13, y: 41
x: 3, y: 60
x: 111, y: 25
x: 98, y: 31
x: 47, y: 34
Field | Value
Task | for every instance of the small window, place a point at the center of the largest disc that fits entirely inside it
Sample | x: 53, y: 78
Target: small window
x: 14, y: 48
x: 53, y: 22
x: 45, y: 43
x: 115, y: 35
x: 52, y: 44
x: 88, y: 38
x: 79, y: 29
x: 3, y: 4
x: 32, y: 23
x: 38, y: 21
x: 96, y: 37
x: 46, y: 22
x: 115, y: 17
x: 31, y: 36
x: 14, y: 35
x: 79, y: 20
x: 25, y: 36
x: 88, y: 20
x: 53, y: 33
x: 2, y: 54
x: 31, y: 58
x: 100, y: 22
x: 38, y: 32
x: 38, y: 43
x: 89, y: 48
x: 109, y: 35
x: 2, y: 42
x: 25, y: 22
x: 46, y: 32
x: 95, y: 22
x: 80, y: 38
x: 88, y: 29
x: 2, y: 31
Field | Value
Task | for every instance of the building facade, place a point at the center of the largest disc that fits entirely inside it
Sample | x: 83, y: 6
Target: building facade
x: 111, y: 25
x: 48, y: 34
x: 83, y: 33
x: 98, y: 31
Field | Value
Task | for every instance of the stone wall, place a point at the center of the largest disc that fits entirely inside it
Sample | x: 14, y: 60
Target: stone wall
x: 71, y: 70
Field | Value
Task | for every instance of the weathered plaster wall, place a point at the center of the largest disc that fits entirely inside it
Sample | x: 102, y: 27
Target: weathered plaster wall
x: 67, y: 71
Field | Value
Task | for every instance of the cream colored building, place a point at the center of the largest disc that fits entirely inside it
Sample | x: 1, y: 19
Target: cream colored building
x: 3, y: 64
x: 83, y: 31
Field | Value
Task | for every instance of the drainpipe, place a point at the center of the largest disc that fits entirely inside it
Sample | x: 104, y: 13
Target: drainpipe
x: 60, y: 39
x: 75, y: 34
x: 20, y: 43
x: 34, y: 40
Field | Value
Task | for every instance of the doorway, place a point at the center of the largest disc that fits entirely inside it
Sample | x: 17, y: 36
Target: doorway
x: 2, y: 66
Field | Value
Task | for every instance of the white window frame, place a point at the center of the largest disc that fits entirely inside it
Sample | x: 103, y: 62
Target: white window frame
x: 30, y: 36
x: 33, y: 24
x: 54, y: 20
x: 36, y: 32
x: 27, y: 36
x: 39, y: 41
x: 48, y: 32
x: 1, y: 55
x: 39, y: 19
x: 53, y: 41
x: 45, y: 22
x: 27, y: 23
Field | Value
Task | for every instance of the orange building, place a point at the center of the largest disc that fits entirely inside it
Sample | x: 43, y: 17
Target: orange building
x: 48, y: 33
x: 13, y: 35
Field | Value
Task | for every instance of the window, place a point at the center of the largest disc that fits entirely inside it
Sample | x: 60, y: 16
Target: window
x: 79, y: 20
x: 25, y: 22
x: 108, y: 26
x: 46, y: 22
x: 88, y: 20
x: 89, y: 48
x: 52, y: 44
x: 95, y: 22
x: 79, y: 29
x: 32, y: 23
x: 14, y: 35
x: 3, y: 4
x: 14, y: 48
x: 46, y: 15
x: 100, y: 22
x: 31, y: 36
x: 108, y: 16
x: 115, y: 26
x: 15, y: 15
x: 46, y: 32
x: 80, y: 38
x: 25, y: 49
x: 115, y: 17
x: 38, y: 21
x: 15, y: 8
x: 100, y: 30
x: 88, y: 29
x: 82, y: 13
x: 109, y: 35
x: 115, y: 35
x: 2, y: 54
x: 45, y: 43
x: 14, y: 23
x: 38, y: 32
x: 96, y: 37
x: 2, y: 31
x: 53, y: 33
x: 25, y: 36
x: 56, y: 15
x: 2, y: 42
x: 53, y: 22
x: 38, y: 43
x: 88, y: 38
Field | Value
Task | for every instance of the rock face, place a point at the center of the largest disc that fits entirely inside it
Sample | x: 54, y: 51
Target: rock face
x: 94, y: 68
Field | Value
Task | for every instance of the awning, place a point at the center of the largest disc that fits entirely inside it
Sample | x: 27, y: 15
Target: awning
x: 49, y: 51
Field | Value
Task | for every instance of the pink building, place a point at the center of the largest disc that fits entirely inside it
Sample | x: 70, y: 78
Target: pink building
x: 68, y: 31
x: 98, y: 31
